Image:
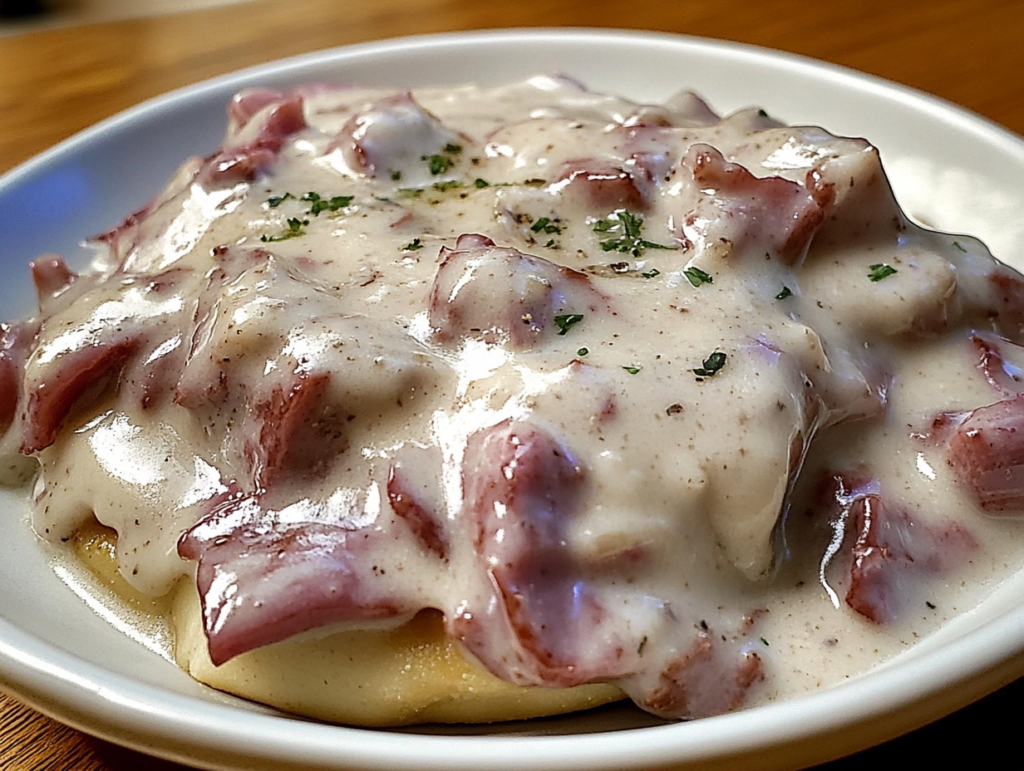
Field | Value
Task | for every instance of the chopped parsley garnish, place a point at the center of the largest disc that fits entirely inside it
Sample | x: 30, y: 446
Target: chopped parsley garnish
x: 582, y: 351
x: 276, y: 200
x: 551, y: 244
x: 958, y: 246
x: 698, y: 276
x: 409, y: 192
x: 294, y: 229
x: 450, y: 184
x: 879, y: 271
x: 622, y: 231
x: 317, y: 202
x: 396, y: 175
x: 320, y: 204
x: 786, y: 292
x: 413, y: 245
x: 438, y: 164
x: 651, y: 273
x: 763, y: 113
x: 545, y: 225
x: 632, y: 369
x: 711, y: 365
x: 564, y: 321
x: 765, y: 642
x: 480, y: 184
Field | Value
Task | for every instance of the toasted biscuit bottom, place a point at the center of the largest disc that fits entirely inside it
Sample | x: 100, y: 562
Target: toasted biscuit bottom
x: 385, y: 677
x: 378, y: 677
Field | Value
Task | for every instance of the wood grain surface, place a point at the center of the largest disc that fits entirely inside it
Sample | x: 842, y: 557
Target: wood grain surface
x: 55, y: 82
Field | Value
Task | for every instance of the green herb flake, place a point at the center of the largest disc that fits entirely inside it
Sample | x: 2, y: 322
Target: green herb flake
x: 534, y: 182
x: 763, y: 113
x: 624, y: 234
x: 652, y: 273
x: 480, y: 184
x: 765, y: 642
x: 295, y: 226
x: 320, y: 204
x: 396, y: 175
x: 879, y: 271
x: 438, y: 164
x: 582, y: 351
x: 632, y: 369
x: 958, y: 246
x: 697, y: 276
x: 566, y: 320
x: 413, y: 245
x: 545, y: 225
x: 452, y: 149
x: 276, y: 200
x: 786, y: 292
x: 551, y: 244
x: 711, y: 366
x: 450, y: 184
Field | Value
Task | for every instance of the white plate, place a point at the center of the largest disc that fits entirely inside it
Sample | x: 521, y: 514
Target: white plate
x: 950, y: 169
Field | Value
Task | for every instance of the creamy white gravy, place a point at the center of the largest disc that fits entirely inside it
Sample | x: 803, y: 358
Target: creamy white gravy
x: 353, y: 325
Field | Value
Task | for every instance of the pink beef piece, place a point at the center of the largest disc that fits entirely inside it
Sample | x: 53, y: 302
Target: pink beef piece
x: 244, y: 161
x: 82, y: 373
x: 782, y: 212
x: 490, y: 292
x: 890, y: 548
x: 987, y: 452
x: 521, y: 491
x: 261, y: 582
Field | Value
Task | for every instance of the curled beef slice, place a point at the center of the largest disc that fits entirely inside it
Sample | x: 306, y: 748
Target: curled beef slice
x: 541, y: 623
x: 1000, y: 361
x: 246, y: 103
x: 103, y: 341
x: 890, y: 548
x: 414, y: 500
x: 683, y: 109
x: 498, y: 293
x: 73, y: 377
x: 278, y: 389
x: 592, y: 184
x: 261, y: 122
x: 987, y: 453
x: 267, y: 575
x: 296, y: 429
x: 82, y: 351
x: 708, y: 679
x: 1003, y: 302
x: 51, y: 276
x: 396, y: 138
x: 15, y: 341
x: 762, y: 214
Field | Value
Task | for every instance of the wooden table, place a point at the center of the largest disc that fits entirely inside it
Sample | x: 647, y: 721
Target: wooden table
x: 58, y: 81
